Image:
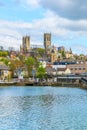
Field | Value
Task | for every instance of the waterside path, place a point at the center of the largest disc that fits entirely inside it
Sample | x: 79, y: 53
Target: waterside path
x: 63, y: 81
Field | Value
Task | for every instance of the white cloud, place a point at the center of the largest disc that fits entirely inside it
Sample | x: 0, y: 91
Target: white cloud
x: 79, y: 49
x: 29, y: 4
x: 33, y: 3
x: 11, y: 32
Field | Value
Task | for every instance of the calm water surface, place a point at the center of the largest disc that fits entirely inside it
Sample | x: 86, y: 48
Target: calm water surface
x: 47, y: 108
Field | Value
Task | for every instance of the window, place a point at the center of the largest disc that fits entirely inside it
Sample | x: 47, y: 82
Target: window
x: 83, y: 68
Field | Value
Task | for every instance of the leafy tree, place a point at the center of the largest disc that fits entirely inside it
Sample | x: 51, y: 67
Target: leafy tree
x: 0, y: 53
x: 5, y: 61
x: 4, y: 53
x: 41, y: 51
x: 63, y: 54
x: 14, y: 64
x: 30, y: 63
x: 41, y: 72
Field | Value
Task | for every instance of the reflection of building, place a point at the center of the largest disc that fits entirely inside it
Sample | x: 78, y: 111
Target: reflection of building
x: 25, y: 47
x: 47, y: 40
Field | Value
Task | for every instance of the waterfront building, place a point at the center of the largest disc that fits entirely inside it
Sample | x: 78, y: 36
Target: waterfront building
x: 58, y: 66
x: 63, y: 71
x: 77, y: 68
x: 64, y: 63
x: 50, y: 71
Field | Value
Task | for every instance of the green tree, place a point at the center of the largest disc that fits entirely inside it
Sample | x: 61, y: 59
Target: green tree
x: 1, y: 53
x: 41, y: 72
x: 41, y: 51
x: 4, y: 60
x: 63, y: 53
x: 30, y: 63
x: 14, y: 64
x: 4, y: 53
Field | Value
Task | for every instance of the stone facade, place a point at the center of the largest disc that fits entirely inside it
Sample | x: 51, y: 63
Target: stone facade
x: 47, y: 40
x: 25, y: 47
x: 78, y: 68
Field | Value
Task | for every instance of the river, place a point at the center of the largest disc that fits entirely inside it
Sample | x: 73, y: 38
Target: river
x: 43, y: 108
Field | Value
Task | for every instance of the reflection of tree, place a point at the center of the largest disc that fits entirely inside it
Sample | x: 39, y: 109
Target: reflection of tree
x: 46, y: 100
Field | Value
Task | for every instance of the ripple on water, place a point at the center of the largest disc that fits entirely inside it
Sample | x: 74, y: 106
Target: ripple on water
x: 57, y: 109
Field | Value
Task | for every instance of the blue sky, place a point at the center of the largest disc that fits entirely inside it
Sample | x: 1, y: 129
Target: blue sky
x: 66, y: 20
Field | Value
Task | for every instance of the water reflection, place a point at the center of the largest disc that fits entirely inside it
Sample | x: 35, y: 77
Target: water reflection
x: 47, y: 109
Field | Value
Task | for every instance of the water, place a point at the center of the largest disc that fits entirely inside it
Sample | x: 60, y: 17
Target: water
x: 43, y: 108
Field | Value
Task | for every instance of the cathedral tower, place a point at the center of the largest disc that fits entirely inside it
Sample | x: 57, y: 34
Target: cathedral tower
x: 26, y: 43
x: 47, y: 40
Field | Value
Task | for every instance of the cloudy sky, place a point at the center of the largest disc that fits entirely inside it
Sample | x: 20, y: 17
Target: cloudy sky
x: 66, y: 20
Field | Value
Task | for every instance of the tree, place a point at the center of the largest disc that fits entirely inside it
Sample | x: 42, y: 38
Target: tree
x: 30, y: 63
x: 41, y: 72
x: 41, y: 51
x: 4, y: 60
x: 4, y: 53
x: 63, y: 53
x: 14, y: 64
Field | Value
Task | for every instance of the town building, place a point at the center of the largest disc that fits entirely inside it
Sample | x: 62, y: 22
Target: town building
x: 53, y: 55
x: 61, y: 48
x: 77, y: 68
x: 69, y: 54
x: 4, y: 71
x: 63, y: 71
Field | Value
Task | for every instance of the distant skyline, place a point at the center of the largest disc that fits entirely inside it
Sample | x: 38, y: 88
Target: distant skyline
x: 66, y: 20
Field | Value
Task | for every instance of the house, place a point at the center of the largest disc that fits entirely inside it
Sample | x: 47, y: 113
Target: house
x: 63, y: 71
x: 4, y: 72
x: 51, y: 71
x: 57, y: 69
x: 78, y: 68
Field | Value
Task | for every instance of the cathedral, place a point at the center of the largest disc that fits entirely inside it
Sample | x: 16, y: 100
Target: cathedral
x: 25, y: 47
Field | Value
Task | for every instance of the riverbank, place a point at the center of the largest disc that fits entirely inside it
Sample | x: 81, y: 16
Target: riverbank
x: 53, y: 84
